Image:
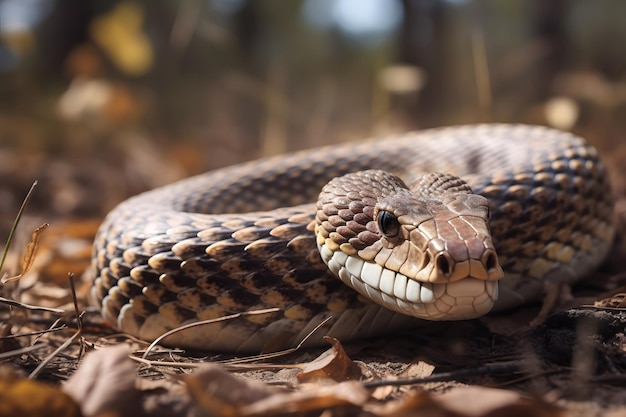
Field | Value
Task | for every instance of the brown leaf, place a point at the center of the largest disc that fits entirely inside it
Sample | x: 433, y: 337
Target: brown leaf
x: 220, y: 393
x: 420, y: 369
x: 476, y: 401
x: 333, y: 363
x: 471, y: 401
x: 25, y: 397
x: 105, y: 384
x: 31, y: 251
x: 417, y: 403
x: 313, y: 398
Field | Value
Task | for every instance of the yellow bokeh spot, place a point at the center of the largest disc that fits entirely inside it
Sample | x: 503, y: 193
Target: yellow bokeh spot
x: 119, y: 34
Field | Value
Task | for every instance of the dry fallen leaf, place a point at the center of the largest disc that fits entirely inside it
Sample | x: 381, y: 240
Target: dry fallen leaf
x: 105, y: 384
x: 333, y: 363
x: 464, y: 400
x: 219, y: 393
x: 420, y: 369
x: 29, y: 256
x: 417, y: 403
x: 25, y: 397
x: 470, y: 401
x: 313, y: 398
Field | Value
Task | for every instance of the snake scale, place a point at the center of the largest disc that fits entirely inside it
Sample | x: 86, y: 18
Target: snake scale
x: 396, y: 236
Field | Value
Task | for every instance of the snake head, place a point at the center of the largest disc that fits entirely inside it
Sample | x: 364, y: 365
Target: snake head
x: 425, y: 250
x: 436, y: 231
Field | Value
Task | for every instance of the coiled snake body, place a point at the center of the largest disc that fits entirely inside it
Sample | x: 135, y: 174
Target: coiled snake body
x: 250, y: 237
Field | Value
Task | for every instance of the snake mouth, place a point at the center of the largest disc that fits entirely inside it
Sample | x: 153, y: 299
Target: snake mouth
x: 464, y: 299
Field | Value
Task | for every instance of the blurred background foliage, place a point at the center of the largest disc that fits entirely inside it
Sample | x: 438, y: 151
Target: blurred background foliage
x: 102, y: 99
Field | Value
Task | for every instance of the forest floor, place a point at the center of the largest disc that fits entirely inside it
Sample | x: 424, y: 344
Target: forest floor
x: 574, y: 363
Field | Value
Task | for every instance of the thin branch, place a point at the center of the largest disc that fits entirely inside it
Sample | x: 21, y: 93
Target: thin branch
x: 31, y: 307
x: 203, y: 323
x: 230, y: 367
x: 493, y: 368
x: 37, y: 333
x: 26, y: 349
x: 274, y: 355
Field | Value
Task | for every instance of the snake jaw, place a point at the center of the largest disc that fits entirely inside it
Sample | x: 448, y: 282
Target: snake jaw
x: 461, y: 300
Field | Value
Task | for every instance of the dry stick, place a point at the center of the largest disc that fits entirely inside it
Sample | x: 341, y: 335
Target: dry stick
x: 203, y: 323
x: 79, y: 316
x: 601, y: 308
x: 236, y: 364
x: 15, y: 223
x: 274, y: 355
x: 494, y: 368
x: 31, y: 307
x: 37, y: 333
x: 230, y: 367
x: 27, y: 349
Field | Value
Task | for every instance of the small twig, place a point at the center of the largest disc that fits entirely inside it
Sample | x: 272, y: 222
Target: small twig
x: 31, y: 307
x: 203, y: 323
x: 239, y: 364
x: 79, y: 316
x: 274, y: 355
x: 165, y: 363
x: 37, y: 333
x: 52, y: 326
x: 225, y: 365
x: 16, y: 222
x: 265, y: 356
x: 493, y: 368
x: 78, y: 313
x: 65, y: 344
x: 601, y: 308
x: 26, y: 349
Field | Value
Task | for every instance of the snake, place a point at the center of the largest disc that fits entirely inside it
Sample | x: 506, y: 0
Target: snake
x: 355, y: 240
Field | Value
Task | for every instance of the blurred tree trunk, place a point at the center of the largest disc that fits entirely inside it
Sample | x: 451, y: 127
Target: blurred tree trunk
x: 422, y: 44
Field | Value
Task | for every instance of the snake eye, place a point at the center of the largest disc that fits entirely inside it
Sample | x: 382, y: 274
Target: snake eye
x: 388, y: 223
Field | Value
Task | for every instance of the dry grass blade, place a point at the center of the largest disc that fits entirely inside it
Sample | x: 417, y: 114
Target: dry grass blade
x: 15, y: 223
x: 274, y: 355
x: 493, y: 368
x: 30, y: 306
x: 204, y: 323
x: 37, y: 333
x: 243, y: 367
x: 239, y: 364
x: 21, y: 351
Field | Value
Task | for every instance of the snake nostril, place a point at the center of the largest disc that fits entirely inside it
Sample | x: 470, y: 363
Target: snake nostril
x: 491, y: 262
x: 443, y: 264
